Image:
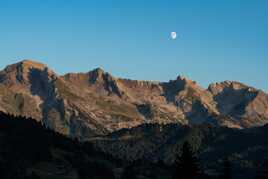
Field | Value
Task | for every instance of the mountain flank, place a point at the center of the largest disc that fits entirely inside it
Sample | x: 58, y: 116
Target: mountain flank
x: 85, y: 105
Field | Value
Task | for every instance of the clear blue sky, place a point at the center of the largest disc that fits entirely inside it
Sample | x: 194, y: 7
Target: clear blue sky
x: 218, y: 40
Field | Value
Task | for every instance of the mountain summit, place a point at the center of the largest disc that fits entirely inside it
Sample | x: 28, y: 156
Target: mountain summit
x: 96, y: 103
x: 20, y: 72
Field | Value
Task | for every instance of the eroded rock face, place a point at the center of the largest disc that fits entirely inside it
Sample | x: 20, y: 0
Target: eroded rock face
x: 244, y: 104
x: 83, y: 105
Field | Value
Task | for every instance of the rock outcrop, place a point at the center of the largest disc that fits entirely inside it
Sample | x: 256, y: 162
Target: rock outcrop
x: 96, y: 103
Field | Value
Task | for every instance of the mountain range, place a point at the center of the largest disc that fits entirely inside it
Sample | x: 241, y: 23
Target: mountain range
x: 92, y: 104
x: 86, y: 125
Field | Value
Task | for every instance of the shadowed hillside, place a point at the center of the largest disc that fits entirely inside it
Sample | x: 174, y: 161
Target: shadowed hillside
x: 28, y: 150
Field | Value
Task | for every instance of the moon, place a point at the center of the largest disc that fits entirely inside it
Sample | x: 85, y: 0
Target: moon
x: 173, y: 35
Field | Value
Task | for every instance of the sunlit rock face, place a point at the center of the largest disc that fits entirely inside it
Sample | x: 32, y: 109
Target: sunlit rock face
x: 84, y: 105
x: 245, y: 105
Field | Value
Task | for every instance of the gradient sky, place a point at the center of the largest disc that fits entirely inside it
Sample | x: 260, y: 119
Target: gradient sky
x: 217, y: 40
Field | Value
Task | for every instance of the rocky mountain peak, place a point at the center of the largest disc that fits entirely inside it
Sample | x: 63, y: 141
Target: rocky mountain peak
x: 216, y: 88
x: 97, y: 75
x: 246, y: 104
x: 26, y: 65
x: 183, y: 78
x: 99, y: 70
x: 97, y: 101
x: 104, y: 82
x: 32, y: 64
x: 20, y: 72
x: 183, y: 83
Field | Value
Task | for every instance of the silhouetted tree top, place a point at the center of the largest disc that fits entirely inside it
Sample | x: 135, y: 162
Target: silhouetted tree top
x: 186, y: 165
x: 226, y: 171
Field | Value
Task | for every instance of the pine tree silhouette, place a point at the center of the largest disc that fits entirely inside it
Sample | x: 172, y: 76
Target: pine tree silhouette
x: 186, y: 165
x: 128, y: 173
x: 226, y: 169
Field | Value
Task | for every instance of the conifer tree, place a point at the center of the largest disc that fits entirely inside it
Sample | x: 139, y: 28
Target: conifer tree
x: 226, y: 173
x: 186, y: 165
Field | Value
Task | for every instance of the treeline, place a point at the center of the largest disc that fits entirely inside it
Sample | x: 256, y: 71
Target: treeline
x: 25, y: 144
